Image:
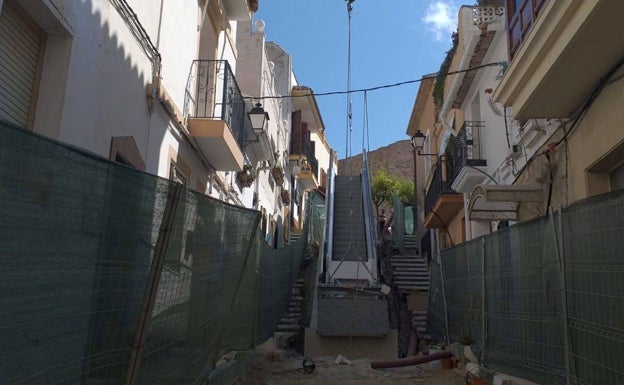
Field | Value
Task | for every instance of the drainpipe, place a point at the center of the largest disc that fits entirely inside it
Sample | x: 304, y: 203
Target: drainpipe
x: 467, y: 222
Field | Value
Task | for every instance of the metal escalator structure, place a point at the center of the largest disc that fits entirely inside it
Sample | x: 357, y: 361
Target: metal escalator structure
x: 349, y: 298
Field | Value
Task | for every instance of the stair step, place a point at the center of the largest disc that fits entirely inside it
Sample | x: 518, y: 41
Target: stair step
x: 418, y: 273
x: 413, y: 287
x: 409, y: 261
x: 287, y: 328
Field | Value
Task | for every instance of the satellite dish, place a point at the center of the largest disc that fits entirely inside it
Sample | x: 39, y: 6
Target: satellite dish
x: 260, y: 26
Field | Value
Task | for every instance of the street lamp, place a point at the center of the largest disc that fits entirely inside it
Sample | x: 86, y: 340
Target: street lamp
x: 258, y: 118
x: 417, y: 141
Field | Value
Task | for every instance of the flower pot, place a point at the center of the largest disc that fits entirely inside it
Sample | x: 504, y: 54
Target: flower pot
x: 446, y: 363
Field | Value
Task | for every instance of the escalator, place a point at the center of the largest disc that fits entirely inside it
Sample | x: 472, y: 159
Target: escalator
x: 349, y: 297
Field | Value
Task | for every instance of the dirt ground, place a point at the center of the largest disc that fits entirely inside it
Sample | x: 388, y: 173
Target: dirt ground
x: 288, y: 370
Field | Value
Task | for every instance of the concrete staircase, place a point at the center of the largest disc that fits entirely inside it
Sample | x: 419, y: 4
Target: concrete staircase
x: 419, y: 322
x: 294, y: 238
x: 291, y: 322
x: 411, y: 275
x: 411, y: 245
x: 410, y: 272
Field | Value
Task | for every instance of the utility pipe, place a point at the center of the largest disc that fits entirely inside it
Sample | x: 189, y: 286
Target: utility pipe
x: 410, y: 361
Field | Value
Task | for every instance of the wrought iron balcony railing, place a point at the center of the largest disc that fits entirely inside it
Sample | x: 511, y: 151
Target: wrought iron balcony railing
x: 466, y: 149
x: 440, y: 183
x: 212, y: 93
x: 309, y: 154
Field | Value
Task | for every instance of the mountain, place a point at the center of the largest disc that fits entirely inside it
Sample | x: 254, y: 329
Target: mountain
x: 397, y: 158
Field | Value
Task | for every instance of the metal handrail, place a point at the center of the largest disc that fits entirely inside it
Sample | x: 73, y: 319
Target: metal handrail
x: 329, y: 215
x: 369, y: 216
x: 440, y: 182
x: 466, y: 149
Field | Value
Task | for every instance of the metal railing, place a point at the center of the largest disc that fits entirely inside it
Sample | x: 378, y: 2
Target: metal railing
x: 440, y: 182
x: 463, y: 151
x: 212, y: 93
x: 466, y: 149
x: 309, y: 154
x: 370, y: 221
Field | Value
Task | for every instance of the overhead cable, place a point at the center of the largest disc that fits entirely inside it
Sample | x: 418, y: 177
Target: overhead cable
x: 435, y: 76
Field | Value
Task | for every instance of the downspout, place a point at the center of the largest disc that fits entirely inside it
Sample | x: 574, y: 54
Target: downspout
x: 467, y: 221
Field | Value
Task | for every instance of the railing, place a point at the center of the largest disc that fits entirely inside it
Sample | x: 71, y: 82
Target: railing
x: 440, y: 182
x: 466, y: 149
x: 212, y: 93
x: 309, y: 154
x: 370, y: 219
x: 329, y: 218
x: 521, y: 18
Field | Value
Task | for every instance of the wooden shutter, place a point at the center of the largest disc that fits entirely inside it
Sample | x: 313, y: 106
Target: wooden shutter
x: 21, y: 50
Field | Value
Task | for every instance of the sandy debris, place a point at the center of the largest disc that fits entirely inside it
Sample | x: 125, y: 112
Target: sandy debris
x: 290, y: 371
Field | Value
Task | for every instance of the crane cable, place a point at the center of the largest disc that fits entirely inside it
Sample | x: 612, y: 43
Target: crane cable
x: 349, y: 101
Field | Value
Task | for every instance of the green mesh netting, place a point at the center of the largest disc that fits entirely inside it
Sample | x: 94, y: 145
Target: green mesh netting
x: 540, y: 324
x: 107, y: 271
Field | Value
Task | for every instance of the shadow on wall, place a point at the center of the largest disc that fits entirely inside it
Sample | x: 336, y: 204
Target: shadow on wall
x: 93, y: 80
x: 79, y: 276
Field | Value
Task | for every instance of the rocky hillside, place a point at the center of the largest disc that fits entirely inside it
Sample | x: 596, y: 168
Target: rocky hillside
x: 397, y: 158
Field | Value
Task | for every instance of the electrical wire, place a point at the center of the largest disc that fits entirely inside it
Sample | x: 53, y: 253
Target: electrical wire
x: 392, y: 85
x: 506, y: 127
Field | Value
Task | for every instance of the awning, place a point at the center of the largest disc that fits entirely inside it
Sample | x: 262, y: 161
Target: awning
x: 500, y: 202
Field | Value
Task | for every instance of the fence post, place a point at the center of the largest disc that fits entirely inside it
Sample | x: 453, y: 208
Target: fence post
x: 160, y: 250
x: 558, y: 233
x: 254, y: 334
x: 446, y: 320
x: 239, y: 281
x: 483, y: 303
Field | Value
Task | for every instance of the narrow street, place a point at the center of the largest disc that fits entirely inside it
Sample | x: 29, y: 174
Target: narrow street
x: 290, y: 371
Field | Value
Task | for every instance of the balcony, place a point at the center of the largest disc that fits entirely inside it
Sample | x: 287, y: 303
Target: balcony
x: 215, y: 112
x: 240, y: 10
x: 305, y: 164
x: 306, y: 170
x: 441, y: 202
x: 466, y: 158
x: 560, y: 50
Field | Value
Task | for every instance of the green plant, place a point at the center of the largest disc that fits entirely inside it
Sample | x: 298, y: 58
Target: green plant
x: 246, y: 176
x: 438, y: 87
x: 384, y: 185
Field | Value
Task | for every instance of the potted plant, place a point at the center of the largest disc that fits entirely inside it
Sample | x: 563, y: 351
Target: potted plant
x: 286, y: 197
x: 247, y: 176
x: 278, y: 174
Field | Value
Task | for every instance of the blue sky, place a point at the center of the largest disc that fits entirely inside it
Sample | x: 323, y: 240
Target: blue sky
x: 391, y: 41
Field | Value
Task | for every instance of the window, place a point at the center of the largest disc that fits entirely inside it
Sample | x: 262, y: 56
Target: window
x: 616, y: 177
x: 22, y: 48
x: 175, y: 174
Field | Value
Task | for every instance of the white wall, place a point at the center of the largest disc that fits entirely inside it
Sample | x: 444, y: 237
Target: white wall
x: 93, y: 85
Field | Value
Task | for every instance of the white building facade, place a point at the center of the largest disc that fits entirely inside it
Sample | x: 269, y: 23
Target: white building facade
x: 162, y: 86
